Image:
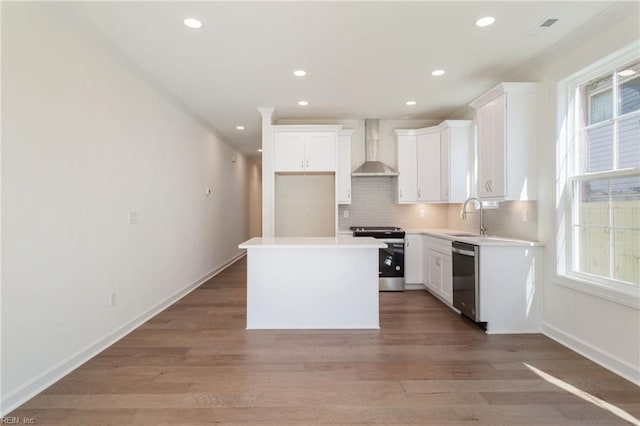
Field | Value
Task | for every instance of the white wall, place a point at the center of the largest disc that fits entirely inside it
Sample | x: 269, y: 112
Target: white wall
x: 85, y: 141
x: 605, y: 331
x: 305, y: 205
x: 255, y: 196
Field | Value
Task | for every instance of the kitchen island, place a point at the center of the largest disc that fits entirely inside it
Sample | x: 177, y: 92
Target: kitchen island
x: 312, y: 283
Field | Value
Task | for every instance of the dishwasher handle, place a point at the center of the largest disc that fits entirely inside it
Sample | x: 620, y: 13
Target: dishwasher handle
x: 463, y: 252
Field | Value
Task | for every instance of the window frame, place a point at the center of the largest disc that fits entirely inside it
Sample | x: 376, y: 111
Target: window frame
x: 569, y: 163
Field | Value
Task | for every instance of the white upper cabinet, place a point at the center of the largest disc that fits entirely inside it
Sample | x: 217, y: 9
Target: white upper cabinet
x: 434, y: 163
x: 300, y: 151
x: 428, y: 158
x: 344, y: 167
x: 507, y: 141
x: 456, y: 176
x: 407, y: 190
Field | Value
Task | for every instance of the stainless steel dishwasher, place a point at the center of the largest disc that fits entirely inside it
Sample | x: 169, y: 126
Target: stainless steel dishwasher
x: 466, y: 277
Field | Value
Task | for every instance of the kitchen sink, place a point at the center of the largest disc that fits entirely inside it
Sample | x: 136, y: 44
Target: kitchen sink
x: 463, y: 234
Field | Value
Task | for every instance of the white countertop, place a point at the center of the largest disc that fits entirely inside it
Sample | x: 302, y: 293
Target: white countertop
x: 312, y: 242
x: 471, y: 238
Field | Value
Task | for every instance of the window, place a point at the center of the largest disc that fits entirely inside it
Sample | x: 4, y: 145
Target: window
x: 603, y: 186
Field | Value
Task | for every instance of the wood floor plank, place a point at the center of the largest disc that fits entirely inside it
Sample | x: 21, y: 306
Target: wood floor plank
x: 195, y: 364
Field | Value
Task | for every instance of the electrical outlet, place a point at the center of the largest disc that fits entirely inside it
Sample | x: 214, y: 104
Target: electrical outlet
x: 345, y: 213
x: 207, y: 192
x: 112, y: 301
x: 525, y: 215
x: 133, y: 218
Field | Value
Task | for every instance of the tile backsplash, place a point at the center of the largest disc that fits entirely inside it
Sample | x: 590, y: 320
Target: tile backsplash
x: 505, y: 221
x: 373, y: 203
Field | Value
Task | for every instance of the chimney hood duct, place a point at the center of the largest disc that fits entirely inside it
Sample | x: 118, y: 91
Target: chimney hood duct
x: 371, y: 166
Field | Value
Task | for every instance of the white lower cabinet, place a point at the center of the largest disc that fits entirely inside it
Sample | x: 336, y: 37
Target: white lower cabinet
x: 510, y: 297
x: 413, y: 259
x: 511, y: 289
x: 439, y: 279
x: 434, y: 279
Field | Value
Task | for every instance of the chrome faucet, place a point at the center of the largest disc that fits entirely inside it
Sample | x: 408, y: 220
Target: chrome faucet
x: 483, y: 230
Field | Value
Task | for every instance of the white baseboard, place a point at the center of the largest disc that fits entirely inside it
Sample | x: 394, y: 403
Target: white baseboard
x: 513, y: 332
x: 40, y: 383
x: 607, y: 360
x: 414, y: 286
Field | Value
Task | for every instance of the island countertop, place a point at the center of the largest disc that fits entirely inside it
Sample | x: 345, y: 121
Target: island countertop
x: 312, y: 242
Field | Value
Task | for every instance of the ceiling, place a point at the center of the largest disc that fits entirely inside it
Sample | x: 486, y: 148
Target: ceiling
x: 363, y: 59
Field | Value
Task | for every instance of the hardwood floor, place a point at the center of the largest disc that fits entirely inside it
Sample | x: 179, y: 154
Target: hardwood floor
x: 195, y: 364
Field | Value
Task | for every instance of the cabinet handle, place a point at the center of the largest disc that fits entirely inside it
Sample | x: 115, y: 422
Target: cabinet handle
x: 437, y: 261
x: 419, y: 193
x: 491, y: 185
x: 401, y: 193
x: 307, y: 164
x: 302, y: 163
x: 486, y: 185
x: 348, y: 193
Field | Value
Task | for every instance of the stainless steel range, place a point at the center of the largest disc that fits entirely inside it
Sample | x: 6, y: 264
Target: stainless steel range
x: 391, y: 259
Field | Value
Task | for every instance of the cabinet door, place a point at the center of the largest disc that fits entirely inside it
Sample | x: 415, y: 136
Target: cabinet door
x: 425, y: 260
x: 446, y: 285
x: 412, y: 258
x: 288, y: 151
x: 485, y: 151
x: 428, y: 154
x: 320, y: 152
x: 434, y: 282
x: 344, y: 169
x: 491, y: 160
x: 445, y: 142
x: 458, y: 176
x: 497, y: 186
x: 407, y: 168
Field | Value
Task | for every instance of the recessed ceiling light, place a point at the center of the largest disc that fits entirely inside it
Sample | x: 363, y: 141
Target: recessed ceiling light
x: 192, y: 23
x: 437, y: 73
x: 239, y: 127
x: 299, y: 73
x: 259, y: 149
x: 485, y: 22
x: 626, y: 73
x: 411, y: 103
x: 303, y: 103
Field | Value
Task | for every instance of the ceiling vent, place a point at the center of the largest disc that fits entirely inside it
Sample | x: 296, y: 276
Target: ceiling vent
x: 548, y: 22
x: 542, y: 26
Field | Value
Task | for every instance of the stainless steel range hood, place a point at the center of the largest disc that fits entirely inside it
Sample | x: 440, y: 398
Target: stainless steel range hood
x: 371, y: 166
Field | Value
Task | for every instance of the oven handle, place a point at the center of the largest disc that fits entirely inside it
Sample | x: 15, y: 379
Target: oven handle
x: 392, y: 240
x: 463, y: 252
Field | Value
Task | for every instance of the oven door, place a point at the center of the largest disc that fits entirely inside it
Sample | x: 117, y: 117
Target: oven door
x: 391, y: 259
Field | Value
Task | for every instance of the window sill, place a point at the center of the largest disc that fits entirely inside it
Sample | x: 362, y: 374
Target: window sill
x: 630, y: 298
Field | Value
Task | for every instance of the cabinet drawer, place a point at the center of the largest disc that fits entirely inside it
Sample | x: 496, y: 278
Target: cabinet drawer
x: 440, y: 245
